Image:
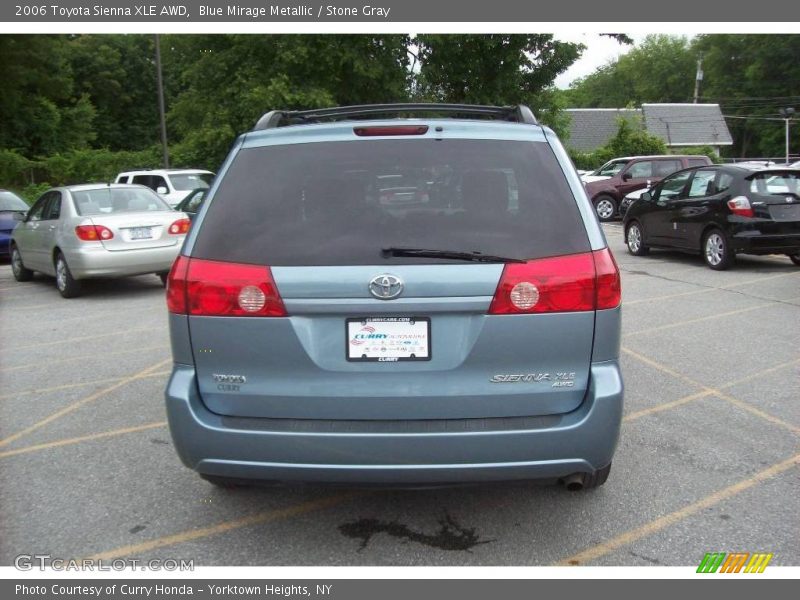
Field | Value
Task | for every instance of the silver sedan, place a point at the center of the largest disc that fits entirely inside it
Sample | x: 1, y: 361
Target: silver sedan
x: 83, y: 231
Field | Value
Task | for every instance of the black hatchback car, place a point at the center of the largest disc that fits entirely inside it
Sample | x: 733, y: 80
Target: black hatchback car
x: 719, y: 211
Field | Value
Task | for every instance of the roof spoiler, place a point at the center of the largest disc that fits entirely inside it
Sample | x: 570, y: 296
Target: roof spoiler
x: 281, y: 118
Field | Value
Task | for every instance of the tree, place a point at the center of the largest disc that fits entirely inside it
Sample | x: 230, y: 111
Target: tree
x: 753, y: 76
x: 750, y: 76
x: 229, y: 81
x: 492, y: 68
x: 117, y: 75
x: 661, y: 69
x: 630, y: 140
x: 634, y: 141
x: 39, y: 112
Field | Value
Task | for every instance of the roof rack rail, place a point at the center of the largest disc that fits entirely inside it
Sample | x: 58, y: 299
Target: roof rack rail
x: 281, y: 118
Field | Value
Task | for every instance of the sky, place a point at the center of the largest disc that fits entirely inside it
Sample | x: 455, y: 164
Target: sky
x: 599, y: 51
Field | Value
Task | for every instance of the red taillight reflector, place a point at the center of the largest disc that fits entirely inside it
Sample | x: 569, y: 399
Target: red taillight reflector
x: 176, y: 286
x: 180, y: 226
x: 576, y: 282
x: 741, y: 206
x: 220, y: 289
x: 93, y: 233
x: 609, y: 284
x: 391, y: 130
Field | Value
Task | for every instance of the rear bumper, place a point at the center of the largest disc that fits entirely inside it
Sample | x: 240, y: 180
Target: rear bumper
x: 96, y: 261
x: 751, y: 242
x: 443, y: 451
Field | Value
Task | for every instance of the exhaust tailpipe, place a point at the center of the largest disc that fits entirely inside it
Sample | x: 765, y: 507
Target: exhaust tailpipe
x: 574, y: 482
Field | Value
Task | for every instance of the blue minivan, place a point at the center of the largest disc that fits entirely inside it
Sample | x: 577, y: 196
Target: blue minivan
x: 411, y: 294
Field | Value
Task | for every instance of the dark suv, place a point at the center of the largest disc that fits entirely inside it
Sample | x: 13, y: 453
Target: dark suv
x: 369, y: 299
x: 719, y: 211
x: 608, y: 185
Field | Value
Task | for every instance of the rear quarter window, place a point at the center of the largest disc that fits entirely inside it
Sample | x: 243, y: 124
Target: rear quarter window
x: 340, y: 203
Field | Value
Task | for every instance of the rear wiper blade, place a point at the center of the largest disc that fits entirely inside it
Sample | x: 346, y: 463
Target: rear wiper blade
x: 472, y: 255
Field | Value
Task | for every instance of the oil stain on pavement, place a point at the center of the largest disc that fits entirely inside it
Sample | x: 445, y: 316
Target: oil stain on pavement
x: 450, y: 535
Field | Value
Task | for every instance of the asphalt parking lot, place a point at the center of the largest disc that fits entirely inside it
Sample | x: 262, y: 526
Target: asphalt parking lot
x: 709, y: 457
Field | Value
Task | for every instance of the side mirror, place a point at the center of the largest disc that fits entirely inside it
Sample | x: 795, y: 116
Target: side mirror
x: 20, y: 216
x: 162, y: 190
x: 647, y: 197
x: 627, y: 176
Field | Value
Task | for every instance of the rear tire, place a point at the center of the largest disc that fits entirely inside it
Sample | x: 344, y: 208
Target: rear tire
x: 163, y: 277
x: 634, y: 239
x: 19, y: 270
x: 66, y: 285
x: 606, y: 207
x: 228, y: 483
x: 795, y: 258
x: 716, y: 251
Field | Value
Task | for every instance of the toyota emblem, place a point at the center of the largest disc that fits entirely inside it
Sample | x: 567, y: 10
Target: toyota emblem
x: 385, y: 287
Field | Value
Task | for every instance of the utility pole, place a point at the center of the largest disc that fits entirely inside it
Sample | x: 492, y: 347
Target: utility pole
x: 698, y: 78
x: 787, y: 114
x: 161, y: 110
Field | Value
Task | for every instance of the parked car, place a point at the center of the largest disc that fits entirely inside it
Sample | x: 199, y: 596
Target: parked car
x: 192, y: 202
x: 757, y: 164
x: 320, y: 335
x: 171, y: 184
x: 10, y: 205
x: 719, y: 211
x: 609, y: 184
x: 83, y: 231
x: 626, y: 202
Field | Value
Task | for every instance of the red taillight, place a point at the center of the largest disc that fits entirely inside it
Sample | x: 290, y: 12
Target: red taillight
x: 391, y: 130
x: 93, y: 233
x: 219, y: 289
x: 176, y: 286
x: 576, y: 282
x: 741, y: 206
x: 609, y: 285
x: 180, y: 226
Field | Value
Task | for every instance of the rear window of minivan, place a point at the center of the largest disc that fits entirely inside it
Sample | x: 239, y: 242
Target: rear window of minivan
x: 340, y: 203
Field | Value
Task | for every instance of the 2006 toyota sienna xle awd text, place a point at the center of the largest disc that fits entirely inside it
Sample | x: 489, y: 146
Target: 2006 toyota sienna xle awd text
x: 467, y: 331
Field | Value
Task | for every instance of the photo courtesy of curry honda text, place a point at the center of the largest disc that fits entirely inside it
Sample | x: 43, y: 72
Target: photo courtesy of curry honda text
x: 369, y: 299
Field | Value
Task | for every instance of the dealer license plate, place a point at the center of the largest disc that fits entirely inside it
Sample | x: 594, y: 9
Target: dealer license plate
x: 388, y: 339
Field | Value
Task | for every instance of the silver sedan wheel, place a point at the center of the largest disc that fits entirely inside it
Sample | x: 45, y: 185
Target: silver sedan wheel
x: 605, y: 209
x: 61, y: 274
x: 16, y: 262
x: 715, y: 249
x: 634, y: 238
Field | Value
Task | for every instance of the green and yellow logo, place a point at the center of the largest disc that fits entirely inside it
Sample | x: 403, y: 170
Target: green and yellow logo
x: 734, y: 562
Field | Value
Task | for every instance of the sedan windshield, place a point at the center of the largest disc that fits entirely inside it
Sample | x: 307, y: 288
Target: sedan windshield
x: 108, y: 200
x: 611, y: 168
x: 10, y: 201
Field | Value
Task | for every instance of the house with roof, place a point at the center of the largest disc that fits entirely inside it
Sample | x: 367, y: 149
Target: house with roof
x: 679, y: 125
